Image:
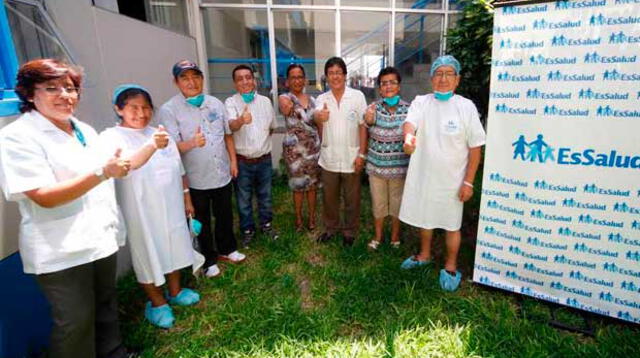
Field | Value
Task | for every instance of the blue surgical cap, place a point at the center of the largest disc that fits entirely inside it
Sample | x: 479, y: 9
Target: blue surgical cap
x: 127, y: 86
x: 446, y: 60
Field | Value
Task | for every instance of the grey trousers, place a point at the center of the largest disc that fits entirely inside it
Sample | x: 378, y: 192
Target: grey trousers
x: 84, y: 310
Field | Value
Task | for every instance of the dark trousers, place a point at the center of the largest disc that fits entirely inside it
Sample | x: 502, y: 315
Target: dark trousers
x: 345, y: 186
x: 218, y: 202
x: 254, y: 176
x: 84, y: 310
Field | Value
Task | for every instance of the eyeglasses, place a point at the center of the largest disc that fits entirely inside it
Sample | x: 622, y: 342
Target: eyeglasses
x: 445, y: 75
x: 57, y: 91
x: 389, y: 83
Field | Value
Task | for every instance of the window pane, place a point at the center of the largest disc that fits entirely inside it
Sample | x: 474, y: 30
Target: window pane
x: 365, y: 48
x: 259, y: 2
x: 419, y: 4
x: 370, y: 3
x: 170, y: 15
x: 417, y: 44
x: 33, y: 37
x: 455, y: 5
x: 236, y: 36
x: 305, y: 37
x: 304, y: 2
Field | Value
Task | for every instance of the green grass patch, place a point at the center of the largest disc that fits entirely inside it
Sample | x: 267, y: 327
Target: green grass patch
x: 296, y: 298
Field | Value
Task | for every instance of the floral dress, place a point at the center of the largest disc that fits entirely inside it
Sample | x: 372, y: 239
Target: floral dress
x: 301, y: 146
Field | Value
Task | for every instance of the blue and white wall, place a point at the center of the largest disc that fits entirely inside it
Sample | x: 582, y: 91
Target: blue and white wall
x: 560, y: 210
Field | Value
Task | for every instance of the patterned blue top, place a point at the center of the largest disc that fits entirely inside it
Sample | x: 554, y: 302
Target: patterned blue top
x: 385, y: 158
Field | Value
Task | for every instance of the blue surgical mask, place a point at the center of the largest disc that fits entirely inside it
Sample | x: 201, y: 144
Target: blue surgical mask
x: 392, y: 101
x: 443, y: 96
x: 196, y: 101
x: 195, y: 226
x: 248, y: 97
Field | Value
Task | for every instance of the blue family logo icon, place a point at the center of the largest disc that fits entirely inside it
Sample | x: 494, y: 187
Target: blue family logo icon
x: 595, y: 57
x: 588, y: 93
x: 601, y: 20
x: 503, y: 108
x: 543, y: 60
x: 567, y: 5
x: 608, y: 111
x: 508, y: 44
x: 554, y: 110
x: 569, y: 77
x: 536, y: 150
x: 615, y: 75
x: 543, y: 24
x: 562, y: 40
x: 508, y: 77
x: 535, y: 93
x: 513, y: 10
x: 539, y: 151
x: 622, y: 38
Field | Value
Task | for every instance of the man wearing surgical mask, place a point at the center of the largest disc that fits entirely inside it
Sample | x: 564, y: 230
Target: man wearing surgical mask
x: 199, y: 124
x: 252, y: 122
x: 444, y: 136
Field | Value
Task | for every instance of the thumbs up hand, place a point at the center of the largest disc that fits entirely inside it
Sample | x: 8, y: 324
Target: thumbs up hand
x: 116, y: 167
x: 160, y: 137
x: 369, y: 116
x: 323, y: 114
x: 246, y: 115
x: 409, y: 145
x: 198, y: 138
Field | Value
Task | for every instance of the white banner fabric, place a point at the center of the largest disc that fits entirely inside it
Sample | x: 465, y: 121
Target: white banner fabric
x: 560, y: 208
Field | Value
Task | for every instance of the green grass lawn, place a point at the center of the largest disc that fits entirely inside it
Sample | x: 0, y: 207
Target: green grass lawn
x: 296, y: 298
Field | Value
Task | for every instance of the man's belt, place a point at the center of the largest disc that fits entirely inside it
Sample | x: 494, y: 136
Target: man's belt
x: 244, y: 159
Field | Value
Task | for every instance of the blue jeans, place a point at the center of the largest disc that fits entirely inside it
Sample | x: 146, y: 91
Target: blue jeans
x: 254, y: 177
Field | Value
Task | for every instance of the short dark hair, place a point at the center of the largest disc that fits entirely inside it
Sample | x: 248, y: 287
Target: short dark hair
x: 295, y: 65
x: 335, y: 61
x: 389, y: 71
x: 241, y: 67
x: 127, y: 94
x: 40, y: 71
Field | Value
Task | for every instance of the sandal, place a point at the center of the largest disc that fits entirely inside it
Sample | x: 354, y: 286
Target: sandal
x: 312, y: 224
x: 373, y: 244
x: 395, y: 244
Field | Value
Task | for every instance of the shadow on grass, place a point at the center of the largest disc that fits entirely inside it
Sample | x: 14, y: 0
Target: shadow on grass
x: 297, y: 298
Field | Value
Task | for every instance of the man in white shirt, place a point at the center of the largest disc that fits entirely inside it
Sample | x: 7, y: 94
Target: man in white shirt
x: 340, y: 113
x: 252, y: 124
x: 444, y: 136
x: 200, y: 126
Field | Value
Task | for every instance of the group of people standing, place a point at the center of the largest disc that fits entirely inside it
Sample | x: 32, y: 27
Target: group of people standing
x: 171, y: 180
x: 421, y: 158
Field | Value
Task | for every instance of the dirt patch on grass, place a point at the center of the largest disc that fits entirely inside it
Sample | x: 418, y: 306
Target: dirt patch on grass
x: 305, y: 294
x: 316, y: 259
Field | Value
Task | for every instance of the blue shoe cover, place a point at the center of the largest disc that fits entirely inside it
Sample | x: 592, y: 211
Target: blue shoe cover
x: 448, y: 282
x: 411, y: 263
x: 186, y: 297
x: 161, y: 316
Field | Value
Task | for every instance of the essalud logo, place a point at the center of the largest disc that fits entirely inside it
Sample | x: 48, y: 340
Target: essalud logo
x: 538, y: 150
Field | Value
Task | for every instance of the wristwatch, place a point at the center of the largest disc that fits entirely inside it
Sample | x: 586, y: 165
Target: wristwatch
x: 100, y: 174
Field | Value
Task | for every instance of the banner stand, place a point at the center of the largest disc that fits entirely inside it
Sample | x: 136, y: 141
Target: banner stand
x: 586, y: 328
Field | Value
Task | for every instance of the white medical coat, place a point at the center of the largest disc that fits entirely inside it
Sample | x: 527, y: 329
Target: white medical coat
x: 445, y: 132
x: 152, y: 201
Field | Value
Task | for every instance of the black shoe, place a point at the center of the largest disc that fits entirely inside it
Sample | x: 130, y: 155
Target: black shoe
x: 269, y: 231
x: 348, y: 241
x: 247, y: 237
x: 324, y: 237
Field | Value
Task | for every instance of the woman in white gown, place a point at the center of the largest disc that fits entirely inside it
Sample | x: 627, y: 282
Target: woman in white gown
x: 155, y: 200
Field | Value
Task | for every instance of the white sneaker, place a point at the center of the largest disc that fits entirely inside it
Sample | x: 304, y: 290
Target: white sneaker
x: 234, y: 257
x: 212, y: 271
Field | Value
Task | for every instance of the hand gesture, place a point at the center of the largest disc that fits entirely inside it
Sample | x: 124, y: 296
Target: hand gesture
x: 246, y: 115
x: 465, y: 193
x: 323, y: 114
x: 116, y: 167
x: 286, y: 106
x: 198, y: 138
x: 409, y: 145
x: 369, y: 116
x: 160, y: 137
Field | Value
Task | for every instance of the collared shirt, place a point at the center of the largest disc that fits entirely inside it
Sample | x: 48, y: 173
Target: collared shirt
x: 34, y: 153
x: 340, y: 136
x: 207, y: 167
x: 253, y: 140
x: 386, y: 158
